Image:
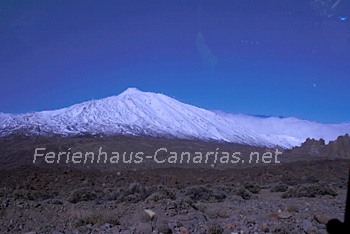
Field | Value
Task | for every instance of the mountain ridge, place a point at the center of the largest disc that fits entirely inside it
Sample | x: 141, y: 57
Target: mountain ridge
x: 134, y: 112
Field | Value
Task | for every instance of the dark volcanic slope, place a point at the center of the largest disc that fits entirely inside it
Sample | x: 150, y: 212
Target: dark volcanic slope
x: 20, y: 150
x: 54, y: 179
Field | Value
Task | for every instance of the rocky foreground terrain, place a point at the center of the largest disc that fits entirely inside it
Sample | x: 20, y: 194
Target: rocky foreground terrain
x: 298, y: 195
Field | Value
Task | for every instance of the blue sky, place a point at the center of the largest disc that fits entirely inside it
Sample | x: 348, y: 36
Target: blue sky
x: 279, y: 58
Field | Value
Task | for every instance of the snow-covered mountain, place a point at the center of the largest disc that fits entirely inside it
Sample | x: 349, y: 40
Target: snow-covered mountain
x: 144, y: 113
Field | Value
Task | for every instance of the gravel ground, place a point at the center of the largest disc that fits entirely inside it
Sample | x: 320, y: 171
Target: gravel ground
x: 298, y: 195
x: 38, y: 200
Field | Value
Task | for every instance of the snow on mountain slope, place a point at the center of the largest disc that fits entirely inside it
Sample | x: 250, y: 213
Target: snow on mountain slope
x: 293, y: 130
x: 137, y: 113
x: 144, y: 113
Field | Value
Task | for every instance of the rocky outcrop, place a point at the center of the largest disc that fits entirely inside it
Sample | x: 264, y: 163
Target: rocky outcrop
x: 310, y: 146
x: 337, y: 148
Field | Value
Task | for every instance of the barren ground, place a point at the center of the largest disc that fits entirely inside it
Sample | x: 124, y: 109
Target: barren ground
x: 298, y: 195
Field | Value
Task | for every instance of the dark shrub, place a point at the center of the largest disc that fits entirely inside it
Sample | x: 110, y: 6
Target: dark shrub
x: 280, y: 187
x: 310, y: 190
x: 32, y: 195
x: 163, y: 227
x: 155, y: 197
x: 251, y: 187
x: 200, y: 206
x: 82, y: 195
x: 134, y: 193
x: 199, y: 193
x: 212, y: 213
x: 246, y: 195
x: 282, y: 229
x: 204, y: 194
x: 292, y: 207
x: 214, y: 227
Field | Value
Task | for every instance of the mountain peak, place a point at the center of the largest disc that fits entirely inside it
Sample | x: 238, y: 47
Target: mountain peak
x: 131, y: 90
x: 152, y: 114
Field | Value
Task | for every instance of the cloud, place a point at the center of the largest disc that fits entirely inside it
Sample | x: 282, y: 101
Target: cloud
x: 291, y: 130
